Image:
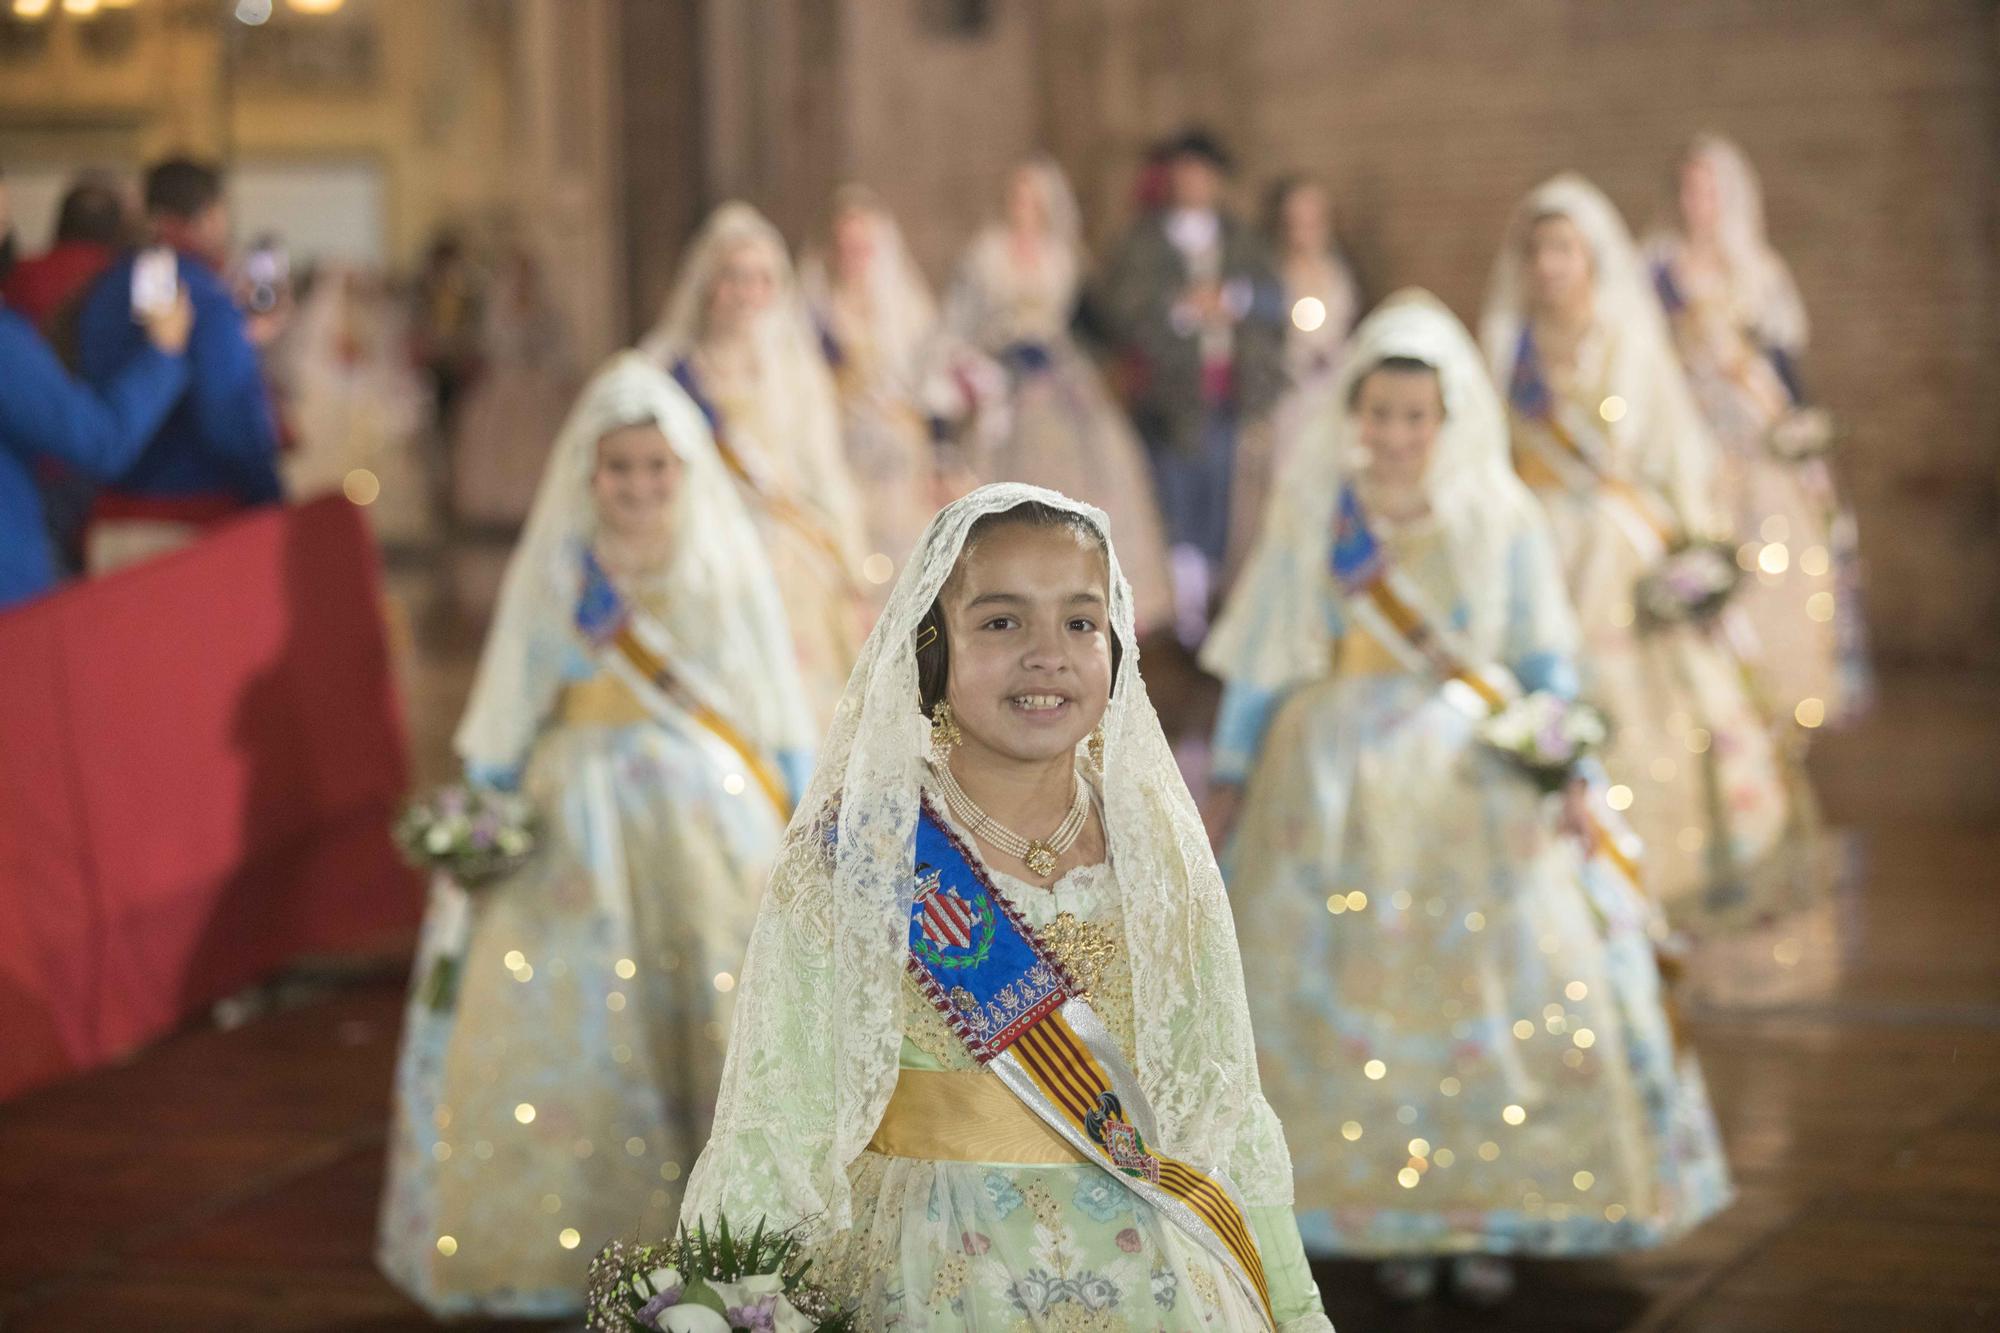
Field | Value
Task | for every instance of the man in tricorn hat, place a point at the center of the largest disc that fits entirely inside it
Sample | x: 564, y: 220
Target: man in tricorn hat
x: 1201, y: 315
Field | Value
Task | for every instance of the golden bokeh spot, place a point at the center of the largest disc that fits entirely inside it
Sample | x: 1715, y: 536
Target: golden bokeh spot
x: 1408, y: 1177
x: 1584, y: 1039
x: 878, y: 569
x: 1615, y: 1213
x: 1336, y: 903
x: 1357, y: 901
x: 569, y: 1238
x: 1612, y: 408
x: 1774, y: 559
x: 626, y: 969
x: 1618, y: 797
x: 1351, y: 1131
x: 1819, y: 607
x: 615, y: 1001
x: 1375, y: 1069
x: 1776, y: 528
x: 525, y: 1113
x: 361, y: 486
x: 1698, y: 740
x: 1444, y: 1157
x: 1583, y: 1180
x: 447, y: 1246
x: 635, y: 1146
x: 1449, y: 1086
x: 514, y: 960
x: 1420, y: 1147
x: 1810, y: 713
x: 1475, y: 921
x: 1489, y: 1151
x: 733, y: 784
x: 1577, y: 990
x: 1308, y: 314
x: 1513, y: 1114
x: 1523, y: 1029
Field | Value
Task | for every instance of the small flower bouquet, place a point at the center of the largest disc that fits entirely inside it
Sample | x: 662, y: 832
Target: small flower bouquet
x: 1545, y: 736
x: 474, y: 834
x: 1802, y: 434
x: 1690, y: 585
x: 710, y: 1282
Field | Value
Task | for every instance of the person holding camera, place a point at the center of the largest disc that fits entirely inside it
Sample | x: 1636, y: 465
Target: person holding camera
x: 47, y: 416
x: 216, y: 452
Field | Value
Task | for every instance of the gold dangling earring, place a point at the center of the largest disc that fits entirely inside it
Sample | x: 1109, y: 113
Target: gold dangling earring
x: 1095, y: 748
x: 945, y: 734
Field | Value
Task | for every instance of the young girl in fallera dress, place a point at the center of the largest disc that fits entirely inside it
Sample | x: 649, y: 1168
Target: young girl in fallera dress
x: 991, y: 1049
x: 1607, y: 436
x: 1459, y: 1015
x: 563, y: 1038
x: 737, y: 338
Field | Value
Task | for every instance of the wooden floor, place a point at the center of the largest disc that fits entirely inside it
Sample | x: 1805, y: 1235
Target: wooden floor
x: 227, y: 1180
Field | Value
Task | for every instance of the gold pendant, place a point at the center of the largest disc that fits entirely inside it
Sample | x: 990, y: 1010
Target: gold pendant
x: 1041, y: 858
x: 1082, y: 947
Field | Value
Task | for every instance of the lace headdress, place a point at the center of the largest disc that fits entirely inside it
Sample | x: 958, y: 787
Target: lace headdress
x: 1764, y: 283
x: 1659, y: 438
x: 1476, y: 498
x: 801, y: 419
x: 819, y: 1017
x: 720, y: 600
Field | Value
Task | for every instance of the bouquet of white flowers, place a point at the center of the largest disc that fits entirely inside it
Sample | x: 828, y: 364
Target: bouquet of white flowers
x: 474, y: 834
x: 710, y: 1282
x: 1690, y: 585
x: 1545, y: 736
x: 1801, y: 434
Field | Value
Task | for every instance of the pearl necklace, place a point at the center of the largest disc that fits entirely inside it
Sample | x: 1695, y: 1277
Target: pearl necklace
x: 1038, y: 854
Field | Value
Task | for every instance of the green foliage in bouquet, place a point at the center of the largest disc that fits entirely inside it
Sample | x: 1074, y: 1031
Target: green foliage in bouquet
x: 705, y: 1281
x: 474, y: 834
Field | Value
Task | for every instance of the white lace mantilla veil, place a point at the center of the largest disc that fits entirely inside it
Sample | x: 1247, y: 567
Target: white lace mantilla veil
x: 819, y: 1012
x: 1661, y: 438
x: 1479, y: 503
x: 1766, y: 287
x: 802, y: 417
x: 721, y: 601
x: 904, y: 313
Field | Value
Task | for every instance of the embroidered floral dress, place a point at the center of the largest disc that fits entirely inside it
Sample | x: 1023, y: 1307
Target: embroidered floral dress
x: 984, y: 1246
x: 1462, y: 1030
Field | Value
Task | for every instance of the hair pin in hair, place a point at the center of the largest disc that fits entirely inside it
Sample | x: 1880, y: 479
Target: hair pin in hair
x: 926, y: 637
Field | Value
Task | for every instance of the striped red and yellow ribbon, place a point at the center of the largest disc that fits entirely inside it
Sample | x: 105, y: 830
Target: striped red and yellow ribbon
x: 1061, y: 1065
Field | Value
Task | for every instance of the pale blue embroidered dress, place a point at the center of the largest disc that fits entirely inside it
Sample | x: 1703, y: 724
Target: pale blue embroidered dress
x: 1461, y: 1029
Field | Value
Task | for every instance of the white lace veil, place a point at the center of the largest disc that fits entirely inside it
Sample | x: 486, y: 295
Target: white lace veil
x: 800, y: 415
x: 1660, y: 439
x: 721, y: 601
x: 903, y: 312
x: 1764, y: 283
x: 1477, y: 500
x: 819, y: 1015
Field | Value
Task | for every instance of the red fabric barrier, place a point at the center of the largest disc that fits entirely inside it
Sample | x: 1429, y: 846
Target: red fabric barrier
x: 199, y: 760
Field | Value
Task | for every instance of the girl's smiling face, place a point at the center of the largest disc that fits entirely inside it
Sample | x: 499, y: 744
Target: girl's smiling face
x: 1027, y: 616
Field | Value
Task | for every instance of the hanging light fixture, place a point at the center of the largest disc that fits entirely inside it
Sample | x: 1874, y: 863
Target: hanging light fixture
x: 314, y: 6
x: 30, y: 9
x: 82, y: 9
